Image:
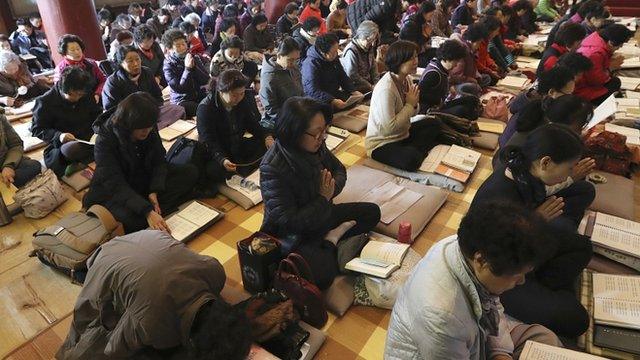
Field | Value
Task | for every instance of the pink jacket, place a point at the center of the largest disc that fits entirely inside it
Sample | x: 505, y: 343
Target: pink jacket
x: 591, y: 85
x: 87, y: 64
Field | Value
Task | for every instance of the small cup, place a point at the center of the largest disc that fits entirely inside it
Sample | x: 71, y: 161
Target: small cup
x: 404, y: 232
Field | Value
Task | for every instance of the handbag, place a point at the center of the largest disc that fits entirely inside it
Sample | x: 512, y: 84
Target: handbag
x: 496, y: 108
x: 259, y: 256
x: 41, y: 195
x: 295, y: 280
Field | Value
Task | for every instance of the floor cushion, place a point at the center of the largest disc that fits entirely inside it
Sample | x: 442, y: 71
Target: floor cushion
x: 339, y: 296
x: 354, y: 120
x: 421, y: 177
x: 236, y: 196
x: 615, y: 197
x: 361, y: 179
x: 487, y: 140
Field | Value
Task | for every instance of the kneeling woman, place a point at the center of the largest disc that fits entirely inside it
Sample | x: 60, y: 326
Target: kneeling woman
x: 546, y: 159
x: 132, y: 178
x: 299, y: 177
x: 391, y: 137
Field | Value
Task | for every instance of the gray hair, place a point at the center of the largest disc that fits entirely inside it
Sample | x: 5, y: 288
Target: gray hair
x: 366, y: 30
x: 8, y: 57
x: 192, y: 18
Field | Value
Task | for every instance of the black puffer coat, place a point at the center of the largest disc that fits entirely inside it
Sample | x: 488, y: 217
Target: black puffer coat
x: 382, y: 12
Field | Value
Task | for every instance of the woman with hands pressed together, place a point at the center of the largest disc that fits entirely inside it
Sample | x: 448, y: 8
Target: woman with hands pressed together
x: 548, y: 160
x: 299, y: 177
x: 132, y: 178
x: 391, y: 137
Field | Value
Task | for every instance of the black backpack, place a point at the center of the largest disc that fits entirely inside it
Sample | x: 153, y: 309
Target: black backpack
x: 187, y: 151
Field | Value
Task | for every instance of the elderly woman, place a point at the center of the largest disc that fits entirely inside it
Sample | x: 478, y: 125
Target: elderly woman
x: 14, y: 77
x: 15, y: 168
x: 132, y: 179
x: 71, y: 47
x: 231, y: 56
x: 299, y: 177
x: 359, y: 57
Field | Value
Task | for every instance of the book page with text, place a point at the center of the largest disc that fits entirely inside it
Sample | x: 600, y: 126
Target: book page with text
x: 616, y: 240
x: 621, y: 287
x: 537, y: 351
x: 180, y: 228
x: 391, y: 253
x: 618, y: 223
x: 198, y: 214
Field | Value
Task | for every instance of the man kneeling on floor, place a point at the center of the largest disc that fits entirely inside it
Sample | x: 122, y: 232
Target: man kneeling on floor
x: 450, y: 308
x: 147, y: 296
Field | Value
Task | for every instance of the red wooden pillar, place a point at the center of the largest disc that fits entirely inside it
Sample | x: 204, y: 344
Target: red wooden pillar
x: 274, y: 9
x: 78, y: 17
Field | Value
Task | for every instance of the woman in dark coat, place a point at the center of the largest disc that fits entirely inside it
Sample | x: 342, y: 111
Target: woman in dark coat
x: 64, y: 115
x: 299, y: 177
x: 132, y: 178
x: 548, y: 162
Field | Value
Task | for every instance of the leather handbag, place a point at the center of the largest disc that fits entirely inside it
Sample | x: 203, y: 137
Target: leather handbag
x: 496, y: 108
x: 41, y: 195
x: 295, y: 280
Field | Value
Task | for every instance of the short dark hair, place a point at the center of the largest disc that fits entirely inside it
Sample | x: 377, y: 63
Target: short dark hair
x: 163, y: 12
x: 491, y: 23
x: 187, y: 27
x: 568, y: 110
x: 598, y: 14
x: 23, y: 22
x: 476, y: 32
x: 521, y: 5
x: 137, y: 111
x: 342, y: 5
x: 124, y: 35
x: 508, y: 236
x: 506, y: 10
x: 555, y: 78
x: 451, y: 50
x: 290, y: 7
x: 3, y: 38
x: 446, y: 4
x: 234, y: 42
x: 617, y: 34
x: 287, y: 46
x: 172, y: 35
x: 258, y: 19
x: 575, y: 61
x: 74, y: 78
x: 398, y: 53
x: 569, y: 33
x: 589, y: 6
x: 133, y: 7
x: 310, y: 24
x: 557, y: 141
x: 143, y: 32
x: 227, y: 23
x: 105, y: 14
x: 324, y: 42
x: 220, y: 331
x: 231, y: 79
x: 123, y: 17
x: 492, y: 11
x: 67, y: 39
x: 294, y: 119
x: 427, y: 7
x: 122, y: 51
x: 175, y: 2
x: 229, y: 11
x: 35, y: 15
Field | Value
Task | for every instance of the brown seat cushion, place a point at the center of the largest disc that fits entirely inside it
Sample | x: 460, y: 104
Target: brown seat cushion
x: 615, y: 197
x: 361, y: 179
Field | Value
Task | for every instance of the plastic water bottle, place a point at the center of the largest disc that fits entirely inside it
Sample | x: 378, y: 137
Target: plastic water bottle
x: 404, y: 232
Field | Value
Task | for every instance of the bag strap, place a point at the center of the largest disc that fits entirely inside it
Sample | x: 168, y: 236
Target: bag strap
x: 292, y: 268
x: 301, y: 263
x: 104, y: 216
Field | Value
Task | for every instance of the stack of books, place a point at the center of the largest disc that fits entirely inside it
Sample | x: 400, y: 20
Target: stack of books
x: 615, y: 238
x: 616, y: 312
x: 455, y: 162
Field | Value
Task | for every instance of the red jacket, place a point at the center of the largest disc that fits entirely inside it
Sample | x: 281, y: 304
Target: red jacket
x: 591, y: 86
x: 484, y: 62
x: 308, y: 12
x: 553, y: 55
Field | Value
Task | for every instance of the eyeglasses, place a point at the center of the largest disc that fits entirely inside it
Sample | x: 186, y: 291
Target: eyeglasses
x: 321, y: 136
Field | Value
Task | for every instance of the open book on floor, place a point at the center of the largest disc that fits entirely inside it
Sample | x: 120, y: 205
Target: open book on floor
x: 454, y: 162
x: 379, y: 258
x: 616, y: 300
x: 514, y: 82
x: 335, y: 137
x: 631, y: 63
x: 21, y: 112
x: 615, y: 238
x: 629, y: 83
x: 538, y: 351
x: 176, y: 129
x: 191, y: 219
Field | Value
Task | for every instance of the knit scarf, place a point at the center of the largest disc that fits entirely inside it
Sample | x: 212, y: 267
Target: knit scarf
x: 531, y: 189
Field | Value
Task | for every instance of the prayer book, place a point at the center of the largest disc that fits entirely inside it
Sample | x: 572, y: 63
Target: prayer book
x: 21, y: 112
x: 603, y: 111
x: 434, y: 163
x: 248, y: 186
x: 538, y: 351
x: 176, y: 129
x: 80, y: 180
x: 393, y: 200
x: 617, y: 338
x: 191, y: 219
x: 632, y: 94
x: 379, y: 258
x: 336, y: 137
x: 616, y: 300
x: 513, y: 82
x: 353, y: 99
x: 630, y: 63
x: 490, y: 126
x: 621, y: 246
x: 461, y: 158
x: 629, y: 83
